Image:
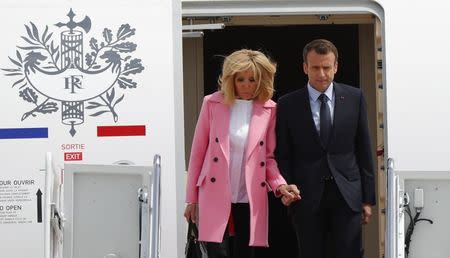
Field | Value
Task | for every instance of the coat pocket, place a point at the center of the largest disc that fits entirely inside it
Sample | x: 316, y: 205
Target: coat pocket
x: 201, y: 179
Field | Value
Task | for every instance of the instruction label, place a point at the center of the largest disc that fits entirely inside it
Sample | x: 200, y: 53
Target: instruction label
x: 20, y: 202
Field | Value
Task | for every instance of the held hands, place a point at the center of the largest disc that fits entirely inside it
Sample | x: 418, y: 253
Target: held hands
x: 190, y: 213
x: 290, y: 194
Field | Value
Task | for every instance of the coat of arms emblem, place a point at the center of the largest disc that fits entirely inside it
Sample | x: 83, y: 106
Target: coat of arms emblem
x: 68, y: 78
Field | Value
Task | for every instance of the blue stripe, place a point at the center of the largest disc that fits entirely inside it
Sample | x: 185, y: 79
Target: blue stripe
x: 23, y: 133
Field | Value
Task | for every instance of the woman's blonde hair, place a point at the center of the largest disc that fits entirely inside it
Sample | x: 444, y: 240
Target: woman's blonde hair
x: 241, y: 61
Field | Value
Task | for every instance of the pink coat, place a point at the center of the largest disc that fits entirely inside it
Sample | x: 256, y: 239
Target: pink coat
x: 208, y: 181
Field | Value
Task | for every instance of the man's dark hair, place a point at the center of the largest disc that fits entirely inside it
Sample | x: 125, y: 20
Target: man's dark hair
x: 322, y: 47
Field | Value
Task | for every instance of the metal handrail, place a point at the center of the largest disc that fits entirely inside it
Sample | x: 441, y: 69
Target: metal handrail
x: 392, y: 203
x: 154, y: 208
x: 144, y: 223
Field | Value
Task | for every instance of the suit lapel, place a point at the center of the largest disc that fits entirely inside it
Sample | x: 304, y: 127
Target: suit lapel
x: 338, y: 109
x: 258, y: 125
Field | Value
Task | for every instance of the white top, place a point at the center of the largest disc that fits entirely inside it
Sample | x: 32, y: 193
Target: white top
x: 241, y: 113
x: 315, y: 103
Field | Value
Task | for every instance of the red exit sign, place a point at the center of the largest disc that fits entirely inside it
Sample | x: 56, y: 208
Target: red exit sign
x: 72, y: 156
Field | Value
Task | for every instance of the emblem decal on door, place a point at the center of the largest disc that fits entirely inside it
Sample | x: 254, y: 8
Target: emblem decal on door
x: 70, y: 79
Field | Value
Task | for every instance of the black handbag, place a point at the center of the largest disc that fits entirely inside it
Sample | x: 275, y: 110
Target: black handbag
x: 194, y: 248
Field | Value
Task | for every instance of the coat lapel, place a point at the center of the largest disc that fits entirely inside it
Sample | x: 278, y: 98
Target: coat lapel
x: 222, y: 126
x: 258, y: 126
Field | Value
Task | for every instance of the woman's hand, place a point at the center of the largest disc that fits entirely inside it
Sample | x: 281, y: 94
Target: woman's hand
x: 190, y: 213
x: 290, y: 194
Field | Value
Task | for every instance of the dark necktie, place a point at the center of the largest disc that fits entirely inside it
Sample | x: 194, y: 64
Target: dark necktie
x: 325, y: 119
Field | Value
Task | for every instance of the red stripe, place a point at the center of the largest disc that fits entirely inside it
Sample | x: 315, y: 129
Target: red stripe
x: 122, y: 130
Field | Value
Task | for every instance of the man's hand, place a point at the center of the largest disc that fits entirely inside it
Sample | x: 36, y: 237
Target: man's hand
x: 366, y: 213
x: 290, y: 194
x: 190, y: 213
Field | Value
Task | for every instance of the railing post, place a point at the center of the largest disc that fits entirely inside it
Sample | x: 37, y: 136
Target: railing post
x: 154, y: 208
x: 392, y: 204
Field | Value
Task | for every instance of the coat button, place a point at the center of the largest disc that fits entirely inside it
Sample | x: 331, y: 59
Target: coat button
x: 262, y: 163
x: 261, y: 143
x: 217, y: 139
x: 215, y: 159
x: 213, y: 179
x: 263, y: 184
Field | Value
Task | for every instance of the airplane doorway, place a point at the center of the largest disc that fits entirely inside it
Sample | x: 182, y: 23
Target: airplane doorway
x: 358, y: 41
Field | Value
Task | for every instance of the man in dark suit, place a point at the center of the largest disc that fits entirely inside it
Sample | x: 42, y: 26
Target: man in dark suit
x: 323, y: 146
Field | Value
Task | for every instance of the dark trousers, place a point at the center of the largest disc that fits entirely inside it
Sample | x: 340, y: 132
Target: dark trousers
x: 235, y: 246
x: 334, y: 231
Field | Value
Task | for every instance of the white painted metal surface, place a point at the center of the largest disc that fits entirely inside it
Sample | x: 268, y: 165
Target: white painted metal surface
x: 102, y: 209
x: 415, y: 65
x: 155, y: 103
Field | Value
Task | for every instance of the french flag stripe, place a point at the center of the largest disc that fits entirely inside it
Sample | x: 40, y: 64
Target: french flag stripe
x: 121, y: 130
x: 23, y: 133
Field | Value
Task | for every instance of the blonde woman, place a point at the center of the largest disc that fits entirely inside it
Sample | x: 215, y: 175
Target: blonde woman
x: 232, y: 165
